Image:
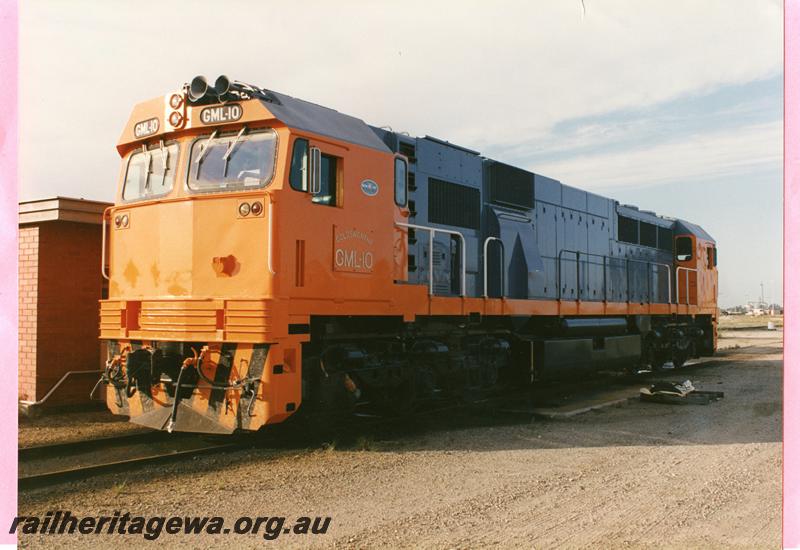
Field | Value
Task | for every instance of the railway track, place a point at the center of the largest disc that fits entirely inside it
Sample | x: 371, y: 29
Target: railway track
x: 51, y: 464
x: 44, y: 465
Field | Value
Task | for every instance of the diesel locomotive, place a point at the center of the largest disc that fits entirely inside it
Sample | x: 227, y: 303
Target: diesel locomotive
x: 267, y: 256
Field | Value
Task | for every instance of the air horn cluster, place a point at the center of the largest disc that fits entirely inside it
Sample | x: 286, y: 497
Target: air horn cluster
x: 224, y: 89
x: 199, y: 88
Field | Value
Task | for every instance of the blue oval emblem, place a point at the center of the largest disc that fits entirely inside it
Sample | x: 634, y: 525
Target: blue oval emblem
x: 369, y: 188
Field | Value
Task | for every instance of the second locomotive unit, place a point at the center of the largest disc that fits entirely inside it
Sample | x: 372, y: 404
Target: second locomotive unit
x: 268, y: 256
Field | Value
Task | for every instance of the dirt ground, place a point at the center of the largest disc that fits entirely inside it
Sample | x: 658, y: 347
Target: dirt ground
x: 641, y: 475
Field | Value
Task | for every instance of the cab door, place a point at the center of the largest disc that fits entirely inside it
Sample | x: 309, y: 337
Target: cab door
x: 317, y: 173
x: 709, y: 290
x: 340, y: 220
x: 686, y: 276
x: 401, y: 215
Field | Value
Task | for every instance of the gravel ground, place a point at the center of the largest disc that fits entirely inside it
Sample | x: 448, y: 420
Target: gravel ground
x: 642, y: 475
x: 736, y: 331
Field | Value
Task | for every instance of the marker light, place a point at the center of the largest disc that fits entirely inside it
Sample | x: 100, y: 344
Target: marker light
x: 256, y: 208
x: 244, y: 209
x: 175, y: 101
x: 118, y: 221
x: 176, y: 119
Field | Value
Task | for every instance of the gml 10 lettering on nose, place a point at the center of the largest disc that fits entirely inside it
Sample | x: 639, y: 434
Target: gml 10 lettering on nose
x: 145, y: 128
x: 221, y: 113
x: 354, y: 260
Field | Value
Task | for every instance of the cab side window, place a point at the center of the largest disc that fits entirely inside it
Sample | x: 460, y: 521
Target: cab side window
x: 400, y: 182
x: 298, y: 172
x: 683, y: 249
x: 712, y: 256
x: 329, y: 170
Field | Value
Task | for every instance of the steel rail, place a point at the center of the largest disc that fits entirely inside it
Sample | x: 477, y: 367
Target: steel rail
x: 67, y: 447
x: 93, y: 449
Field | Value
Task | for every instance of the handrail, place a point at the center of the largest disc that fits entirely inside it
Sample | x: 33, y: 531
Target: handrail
x: 431, y: 233
x: 678, y: 286
x: 103, y: 247
x: 271, y: 226
x: 578, y: 255
x: 486, y: 266
x: 57, y: 385
x: 316, y: 170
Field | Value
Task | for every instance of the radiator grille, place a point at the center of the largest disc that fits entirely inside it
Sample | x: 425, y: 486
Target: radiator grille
x: 454, y: 204
x: 511, y: 186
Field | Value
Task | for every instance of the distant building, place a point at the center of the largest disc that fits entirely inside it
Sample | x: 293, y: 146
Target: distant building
x: 59, y: 286
x: 754, y: 308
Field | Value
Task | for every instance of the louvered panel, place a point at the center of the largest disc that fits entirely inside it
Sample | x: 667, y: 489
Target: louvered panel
x: 247, y: 321
x: 111, y: 319
x: 186, y: 319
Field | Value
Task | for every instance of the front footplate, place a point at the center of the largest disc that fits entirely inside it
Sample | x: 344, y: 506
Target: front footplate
x: 215, y: 388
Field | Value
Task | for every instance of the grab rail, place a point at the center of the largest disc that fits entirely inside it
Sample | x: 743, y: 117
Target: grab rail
x: 486, y: 266
x: 431, y: 233
x: 628, y: 261
x: 103, y: 271
x: 678, y: 293
x: 271, y: 225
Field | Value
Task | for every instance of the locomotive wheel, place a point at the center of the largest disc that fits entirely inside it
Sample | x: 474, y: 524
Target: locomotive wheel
x: 326, y: 401
x: 679, y: 357
x: 651, y: 358
x: 400, y: 400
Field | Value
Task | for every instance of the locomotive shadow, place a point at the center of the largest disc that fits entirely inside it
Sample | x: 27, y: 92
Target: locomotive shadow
x: 750, y: 412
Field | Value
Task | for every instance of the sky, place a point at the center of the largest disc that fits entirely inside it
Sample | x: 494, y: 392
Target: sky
x: 675, y: 107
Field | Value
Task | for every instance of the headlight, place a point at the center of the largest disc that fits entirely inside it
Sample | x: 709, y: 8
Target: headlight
x: 244, y: 209
x: 124, y: 220
x: 176, y: 119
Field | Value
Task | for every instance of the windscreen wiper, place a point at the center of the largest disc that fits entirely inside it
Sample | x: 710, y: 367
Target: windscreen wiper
x: 147, y: 158
x: 229, y: 152
x: 164, y: 162
x: 203, y: 152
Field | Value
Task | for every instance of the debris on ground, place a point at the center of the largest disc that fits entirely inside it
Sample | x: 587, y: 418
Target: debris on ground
x: 678, y: 393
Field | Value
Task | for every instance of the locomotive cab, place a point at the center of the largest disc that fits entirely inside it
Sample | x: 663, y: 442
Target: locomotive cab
x: 225, y: 209
x: 695, y: 270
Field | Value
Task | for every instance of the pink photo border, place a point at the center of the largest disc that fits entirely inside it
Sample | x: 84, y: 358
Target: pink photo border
x: 791, y: 286
x: 8, y: 271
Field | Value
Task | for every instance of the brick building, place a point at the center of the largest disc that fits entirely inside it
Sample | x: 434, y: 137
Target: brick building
x: 59, y: 286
